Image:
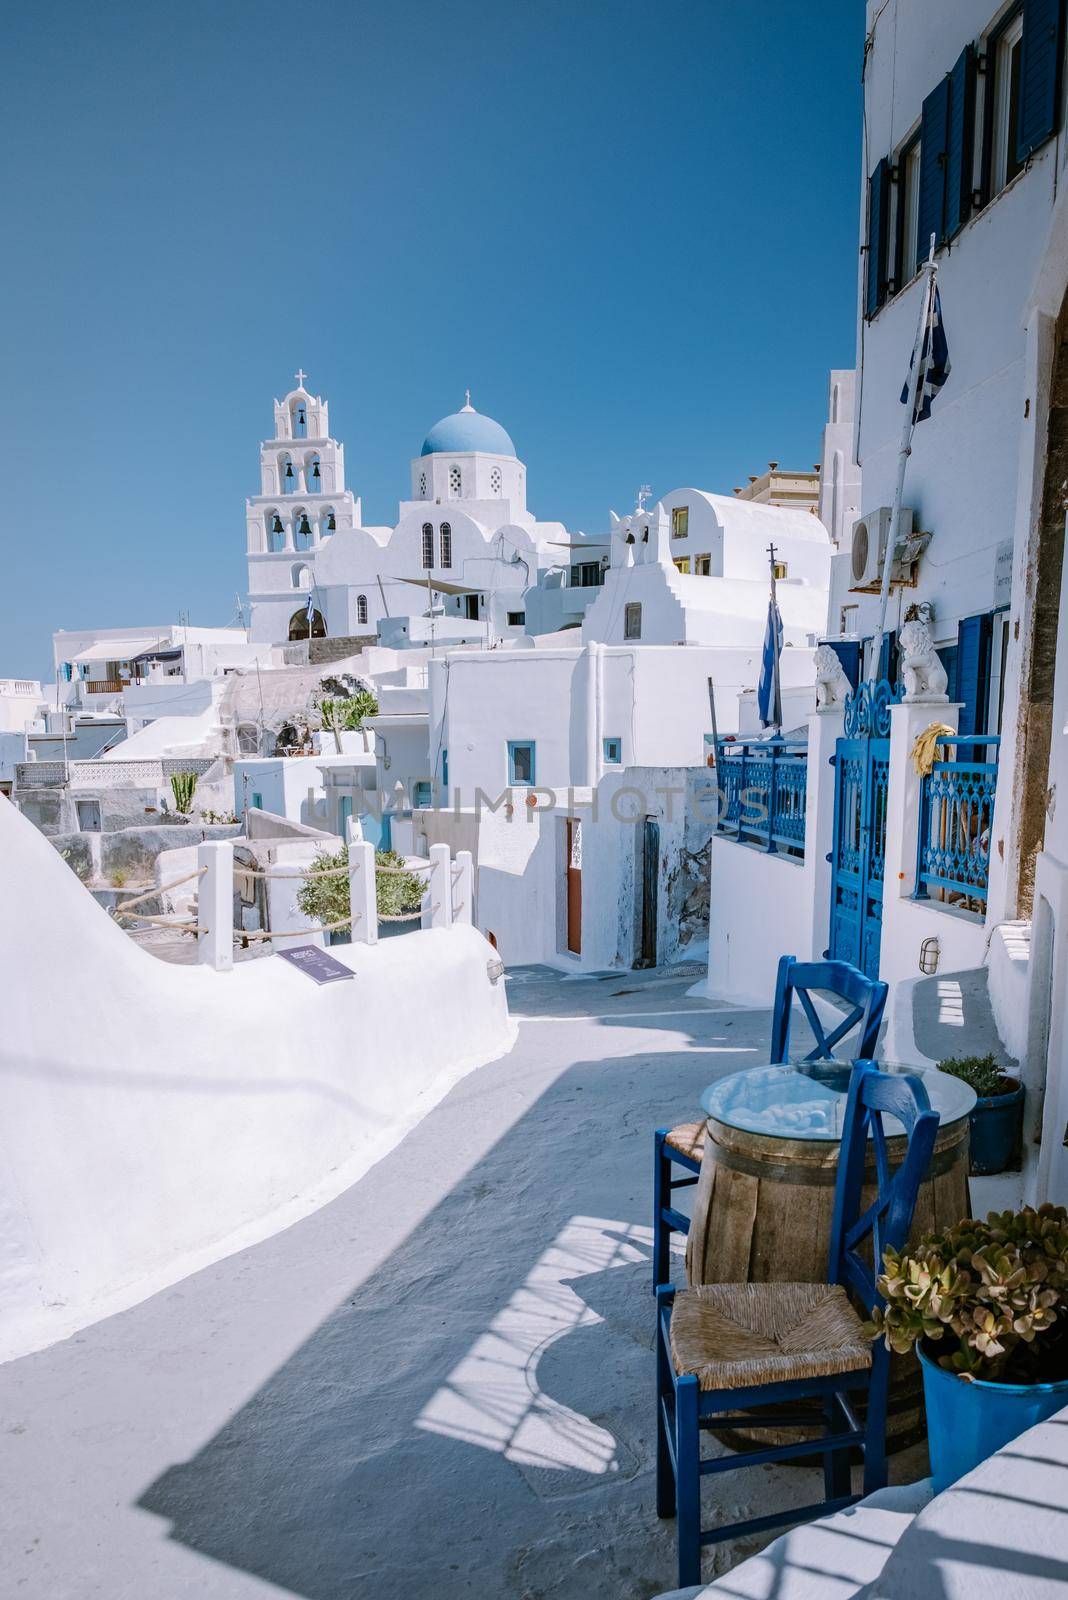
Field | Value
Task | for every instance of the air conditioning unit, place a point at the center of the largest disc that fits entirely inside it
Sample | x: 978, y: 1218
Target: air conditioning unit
x: 870, y: 537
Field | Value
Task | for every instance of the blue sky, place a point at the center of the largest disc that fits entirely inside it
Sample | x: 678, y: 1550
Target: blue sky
x: 628, y: 225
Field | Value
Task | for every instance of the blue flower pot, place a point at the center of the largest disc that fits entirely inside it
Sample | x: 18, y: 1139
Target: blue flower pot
x: 994, y: 1131
x: 966, y: 1422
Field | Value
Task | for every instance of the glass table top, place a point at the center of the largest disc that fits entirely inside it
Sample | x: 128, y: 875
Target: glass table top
x: 807, y: 1099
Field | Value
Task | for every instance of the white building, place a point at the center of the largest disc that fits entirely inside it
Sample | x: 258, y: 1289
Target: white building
x: 464, y: 549
x: 962, y: 129
x: 148, y: 672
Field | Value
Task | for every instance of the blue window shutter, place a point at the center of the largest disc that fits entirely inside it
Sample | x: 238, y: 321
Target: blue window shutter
x: 961, y: 142
x: 848, y: 653
x: 1040, y: 74
x: 972, y: 685
x: 878, y: 241
x: 888, y: 667
x: 934, y: 142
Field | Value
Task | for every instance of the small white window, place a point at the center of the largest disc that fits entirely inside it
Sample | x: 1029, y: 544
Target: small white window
x: 1006, y: 53
x: 909, y: 199
x: 632, y: 620
x: 455, y: 480
x: 361, y: 608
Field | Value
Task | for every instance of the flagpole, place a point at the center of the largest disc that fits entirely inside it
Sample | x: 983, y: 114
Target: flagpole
x: 775, y: 645
x: 915, y: 379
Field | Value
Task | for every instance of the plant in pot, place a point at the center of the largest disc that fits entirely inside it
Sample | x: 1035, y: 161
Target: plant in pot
x: 985, y: 1305
x: 995, y: 1123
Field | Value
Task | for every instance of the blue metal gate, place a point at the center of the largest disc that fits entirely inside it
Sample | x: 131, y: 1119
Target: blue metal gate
x: 862, y: 769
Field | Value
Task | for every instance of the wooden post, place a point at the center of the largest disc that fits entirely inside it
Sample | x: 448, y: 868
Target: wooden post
x: 363, y: 893
x: 215, y: 905
x: 439, y: 888
x: 463, y: 888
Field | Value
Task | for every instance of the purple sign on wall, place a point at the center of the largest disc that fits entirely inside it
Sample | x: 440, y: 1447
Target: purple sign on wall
x: 316, y: 964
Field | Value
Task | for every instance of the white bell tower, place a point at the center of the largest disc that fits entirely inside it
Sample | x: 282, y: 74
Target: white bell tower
x: 302, y: 503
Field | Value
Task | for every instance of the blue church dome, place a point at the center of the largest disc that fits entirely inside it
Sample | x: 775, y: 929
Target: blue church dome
x: 464, y: 431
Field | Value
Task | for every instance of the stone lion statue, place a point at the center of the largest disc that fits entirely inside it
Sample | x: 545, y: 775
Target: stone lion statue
x: 924, y: 675
x: 832, y: 685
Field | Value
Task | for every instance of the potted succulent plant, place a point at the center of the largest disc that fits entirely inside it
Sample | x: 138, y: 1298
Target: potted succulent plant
x: 994, y: 1125
x: 985, y: 1305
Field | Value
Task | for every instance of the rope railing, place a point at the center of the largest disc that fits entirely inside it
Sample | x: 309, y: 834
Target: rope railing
x: 163, y: 888
x: 164, y: 922
x: 292, y: 933
x: 406, y: 916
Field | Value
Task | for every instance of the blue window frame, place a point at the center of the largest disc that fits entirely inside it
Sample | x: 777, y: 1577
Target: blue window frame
x: 257, y: 800
x: 421, y: 795
x: 444, y: 769
x: 613, y: 752
x: 521, y: 763
x: 344, y: 812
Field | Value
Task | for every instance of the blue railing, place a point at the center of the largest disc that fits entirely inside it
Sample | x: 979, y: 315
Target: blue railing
x: 956, y: 818
x: 761, y: 793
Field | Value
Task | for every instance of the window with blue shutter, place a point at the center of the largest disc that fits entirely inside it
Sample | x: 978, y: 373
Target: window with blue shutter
x: 888, y: 658
x: 1040, y: 75
x: 878, y: 237
x: 848, y: 653
x: 960, y: 147
x: 971, y: 685
x: 934, y: 153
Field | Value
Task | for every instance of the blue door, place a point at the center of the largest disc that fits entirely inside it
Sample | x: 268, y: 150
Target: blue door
x: 862, y: 769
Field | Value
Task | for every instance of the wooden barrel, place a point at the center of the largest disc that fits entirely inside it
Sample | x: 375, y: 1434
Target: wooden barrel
x: 762, y: 1214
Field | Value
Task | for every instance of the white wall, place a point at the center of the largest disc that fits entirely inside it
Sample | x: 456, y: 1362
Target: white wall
x: 164, y: 1116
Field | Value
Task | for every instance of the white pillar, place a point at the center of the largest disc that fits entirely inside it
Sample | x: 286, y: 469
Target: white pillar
x: 439, y: 887
x: 215, y: 905
x: 825, y: 728
x: 463, y: 888
x: 363, y: 898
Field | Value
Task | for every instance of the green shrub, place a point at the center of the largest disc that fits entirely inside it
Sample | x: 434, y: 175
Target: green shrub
x: 980, y: 1073
x: 345, y: 714
x: 326, y: 900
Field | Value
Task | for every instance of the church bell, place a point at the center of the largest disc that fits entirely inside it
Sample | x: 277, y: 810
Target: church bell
x: 331, y: 523
x: 305, y: 526
x: 289, y: 469
x: 276, y: 525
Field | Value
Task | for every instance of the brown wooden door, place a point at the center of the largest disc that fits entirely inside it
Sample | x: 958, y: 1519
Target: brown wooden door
x: 573, y: 867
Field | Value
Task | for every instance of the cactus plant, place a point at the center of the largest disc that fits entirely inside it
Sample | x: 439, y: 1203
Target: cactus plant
x: 183, y: 785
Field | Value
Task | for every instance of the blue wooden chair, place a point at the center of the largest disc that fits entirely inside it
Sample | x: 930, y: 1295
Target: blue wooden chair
x: 724, y: 1348
x: 684, y: 1145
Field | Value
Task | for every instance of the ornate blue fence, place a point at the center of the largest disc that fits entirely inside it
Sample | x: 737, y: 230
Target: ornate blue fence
x: 762, y: 789
x: 956, y: 817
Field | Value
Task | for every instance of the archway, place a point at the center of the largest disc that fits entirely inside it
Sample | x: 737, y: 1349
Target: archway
x: 299, y: 625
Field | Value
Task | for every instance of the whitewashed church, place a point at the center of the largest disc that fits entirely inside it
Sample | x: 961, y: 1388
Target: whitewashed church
x: 454, y: 568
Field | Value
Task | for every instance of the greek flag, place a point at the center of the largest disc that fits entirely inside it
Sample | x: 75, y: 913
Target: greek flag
x: 310, y: 607
x: 934, y: 362
x: 769, y: 703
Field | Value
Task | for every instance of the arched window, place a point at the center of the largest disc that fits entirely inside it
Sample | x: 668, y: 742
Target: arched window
x: 313, y: 468
x: 455, y: 480
x: 327, y: 522
x: 422, y: 483
x: 276, y: 533
x: 300, y: 420
x: 303, y: 537
x: 446, y: 544
x: 302, y: 577
x: 428, y: 545
x: 495, y: 480
x: 288, y: 475
x: 361, y: 608
x: 299, y: 625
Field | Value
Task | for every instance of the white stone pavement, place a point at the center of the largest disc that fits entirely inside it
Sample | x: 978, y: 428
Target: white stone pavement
x: 439, y: 1385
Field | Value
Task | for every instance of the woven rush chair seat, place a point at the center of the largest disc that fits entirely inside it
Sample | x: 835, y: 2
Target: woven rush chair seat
x: 688, y: 1139
x: 735, y: 1335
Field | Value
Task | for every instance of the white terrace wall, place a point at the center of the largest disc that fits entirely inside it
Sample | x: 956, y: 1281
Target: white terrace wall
x: 164, y: 1116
